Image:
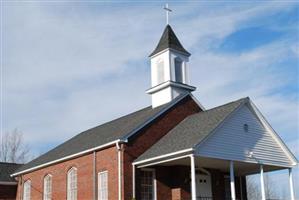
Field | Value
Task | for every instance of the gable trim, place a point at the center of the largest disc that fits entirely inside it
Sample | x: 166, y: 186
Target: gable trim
x: 272, y: 132
x: 67, y: 157
x: 163, y: 156
x: 197, y: 102
x: 164, y: 161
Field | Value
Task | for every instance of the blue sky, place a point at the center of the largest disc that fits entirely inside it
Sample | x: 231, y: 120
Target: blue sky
x: 71, y: 66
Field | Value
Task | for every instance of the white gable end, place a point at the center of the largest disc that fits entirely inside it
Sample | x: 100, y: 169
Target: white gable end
x: 231, y: 141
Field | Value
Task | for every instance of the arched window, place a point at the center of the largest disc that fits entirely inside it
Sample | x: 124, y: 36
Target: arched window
x: 27, y: 190
x: 178, y: 65
x: 72, y: 184
x: 160, y: 72
x: 48, y: 187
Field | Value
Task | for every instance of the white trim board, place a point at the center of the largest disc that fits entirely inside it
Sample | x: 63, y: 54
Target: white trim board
x: 66, y: 157
x: 163, y: 156
x: 164, y: 161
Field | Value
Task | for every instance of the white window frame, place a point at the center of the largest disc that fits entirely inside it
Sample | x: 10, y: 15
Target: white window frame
x: 27, y: 190
x: 160, y: 71
x: 154, y: 181
x: 47, y: 193
x: 181, y: 70
x: 99, y: 185
x: 72, y: 189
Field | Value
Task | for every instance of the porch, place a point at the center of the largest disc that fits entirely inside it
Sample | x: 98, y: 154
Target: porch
x: 192, y: 177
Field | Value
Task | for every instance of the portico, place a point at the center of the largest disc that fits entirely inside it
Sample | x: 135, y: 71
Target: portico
x: 207, y: 178
x: 215, y: 150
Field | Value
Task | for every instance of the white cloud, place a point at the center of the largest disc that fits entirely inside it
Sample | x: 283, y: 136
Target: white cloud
x: 70, y: 67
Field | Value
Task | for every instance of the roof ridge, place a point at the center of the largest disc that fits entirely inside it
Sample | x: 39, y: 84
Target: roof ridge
x: 241, y: 99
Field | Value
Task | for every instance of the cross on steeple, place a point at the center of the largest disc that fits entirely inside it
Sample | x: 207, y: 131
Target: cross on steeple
x: 168, y: 10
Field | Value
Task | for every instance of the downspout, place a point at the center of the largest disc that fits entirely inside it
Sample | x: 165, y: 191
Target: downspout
x: 118, y: 146
x: 134, y: 181
x: 94, y: 176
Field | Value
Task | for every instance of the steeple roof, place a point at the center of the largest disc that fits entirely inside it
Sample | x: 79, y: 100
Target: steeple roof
x: 169, y: 40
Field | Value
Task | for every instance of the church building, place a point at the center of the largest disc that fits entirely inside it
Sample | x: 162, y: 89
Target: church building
x: 174, y: 149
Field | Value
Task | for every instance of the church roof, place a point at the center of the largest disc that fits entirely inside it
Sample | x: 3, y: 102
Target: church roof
x: 118, y: 129
x: 169, y: 40
x: 191, y: 131
x: 6, y: 169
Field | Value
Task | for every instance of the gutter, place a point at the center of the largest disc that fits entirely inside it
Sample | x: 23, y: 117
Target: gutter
x: 68, y: 157
x: 94, y: 168
x: 190, y: 150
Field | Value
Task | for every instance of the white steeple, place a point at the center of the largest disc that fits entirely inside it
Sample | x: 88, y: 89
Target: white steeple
x: 169, y: 71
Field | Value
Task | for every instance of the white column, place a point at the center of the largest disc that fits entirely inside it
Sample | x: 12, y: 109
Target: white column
x: 262, y: 183
x: 193, y: 178
x: 291, y: 184
x: 232, y: 181
x: 133, y: 182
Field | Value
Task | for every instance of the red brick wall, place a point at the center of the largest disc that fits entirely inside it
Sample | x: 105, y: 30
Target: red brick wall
x: 107, y: 160
x: 150, y: 135
x: 84, y: 165
x: 8, y: 192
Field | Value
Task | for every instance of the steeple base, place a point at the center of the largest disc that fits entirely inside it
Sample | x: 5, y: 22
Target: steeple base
x: 167, y: 91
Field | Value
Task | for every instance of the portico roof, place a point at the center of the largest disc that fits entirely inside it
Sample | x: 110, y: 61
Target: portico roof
x: 197, y: 130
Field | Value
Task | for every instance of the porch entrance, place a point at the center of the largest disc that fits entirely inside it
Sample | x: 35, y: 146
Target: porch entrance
x: 200, y: 178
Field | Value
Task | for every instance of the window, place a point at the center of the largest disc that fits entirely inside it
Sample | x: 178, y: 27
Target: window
x: 48, y: 187
x: 178, y: 65
x: 160, y: 72
x: 147, y: 181
x: 27, y: 190
x: 72, y: 184
x: 103, y: 185
x: 246, y: 127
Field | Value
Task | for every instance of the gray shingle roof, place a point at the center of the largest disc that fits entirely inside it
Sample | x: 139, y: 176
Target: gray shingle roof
x: 105, y: 133
x: 169, y: 40
x: 191, y: 131
x: 6, y: 169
